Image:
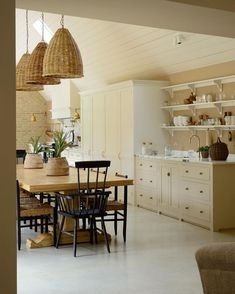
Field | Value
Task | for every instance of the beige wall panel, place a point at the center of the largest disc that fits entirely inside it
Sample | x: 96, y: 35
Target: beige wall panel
x: 7, y: 149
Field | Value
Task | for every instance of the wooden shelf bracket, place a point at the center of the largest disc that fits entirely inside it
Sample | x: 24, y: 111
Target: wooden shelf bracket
x: 219, y: 85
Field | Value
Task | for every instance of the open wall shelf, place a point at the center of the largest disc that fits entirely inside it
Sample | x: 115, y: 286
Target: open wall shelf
x: 219, y: 105
x: 218, y: 82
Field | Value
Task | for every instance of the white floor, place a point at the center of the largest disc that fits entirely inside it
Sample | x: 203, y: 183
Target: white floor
x: 157, y: 258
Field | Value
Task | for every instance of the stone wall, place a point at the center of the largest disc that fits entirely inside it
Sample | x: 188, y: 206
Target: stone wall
x: 27, y: 104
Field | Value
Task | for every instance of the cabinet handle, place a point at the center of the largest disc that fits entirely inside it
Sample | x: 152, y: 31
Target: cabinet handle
x: 150, y: 181
x: 141, y: 179
x: 141, y: 164
x: 201, y: 173
x: 201, y: 211
x: 186, y: 207
x: 141, y: 195
x: 186, y: 171
x: 201, y: 191
x: 150, y: 166
x: 168, y: 174
x: 150, y: 197
x: 186, y: 188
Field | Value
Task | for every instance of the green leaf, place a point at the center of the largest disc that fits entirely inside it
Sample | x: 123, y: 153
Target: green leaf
x: 60, y: 142
x: 35, y: 142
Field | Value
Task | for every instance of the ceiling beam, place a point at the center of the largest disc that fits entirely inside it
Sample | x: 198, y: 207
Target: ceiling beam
x: 154, y: 13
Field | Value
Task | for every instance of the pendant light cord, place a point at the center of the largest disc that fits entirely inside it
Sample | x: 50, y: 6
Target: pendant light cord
x: 27, y: 32
x: 42, y: 26
x: 62, y: 21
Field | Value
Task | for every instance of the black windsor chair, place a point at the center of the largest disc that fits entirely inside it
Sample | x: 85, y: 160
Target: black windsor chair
x: 88, y: 203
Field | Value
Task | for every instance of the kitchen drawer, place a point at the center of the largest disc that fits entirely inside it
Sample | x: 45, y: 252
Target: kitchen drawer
x: 144, y: 164
x: 148, y: 180
x: 146, y: 198
x: 196, y: 172
x: 195, y: 210
x: 195, y: 190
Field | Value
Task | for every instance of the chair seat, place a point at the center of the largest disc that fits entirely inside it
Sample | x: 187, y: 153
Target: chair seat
x: 29, y: 201
x: 35, y: 209
x: 114, y: 205
x: 83, y: 214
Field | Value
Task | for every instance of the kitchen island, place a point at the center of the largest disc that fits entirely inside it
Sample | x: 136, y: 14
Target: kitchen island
x: 201, y: 192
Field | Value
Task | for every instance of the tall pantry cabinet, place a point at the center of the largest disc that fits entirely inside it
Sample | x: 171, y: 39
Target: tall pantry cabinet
x: 117, y: 119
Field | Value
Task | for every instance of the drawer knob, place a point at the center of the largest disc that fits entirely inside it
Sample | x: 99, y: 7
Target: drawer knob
x: 186, y: 207
x: 141, y: 164
x: 201, y: 211
x: 201, y: 191
x: 150, y: 197
x: 150, y: 166
x: 186, y: 188
x: 150, y: 181
x: 141, y: 179
x: 141, y: 195
x: 201, y: 173
x: 168, y: 174
x: 186, y: 171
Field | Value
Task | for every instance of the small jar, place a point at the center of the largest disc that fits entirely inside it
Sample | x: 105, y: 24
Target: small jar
x: 217, y: 121
x: 227, y: 120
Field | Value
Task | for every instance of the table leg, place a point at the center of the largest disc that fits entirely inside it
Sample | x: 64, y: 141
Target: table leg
x: 125, y: 212
x: 115, y: 212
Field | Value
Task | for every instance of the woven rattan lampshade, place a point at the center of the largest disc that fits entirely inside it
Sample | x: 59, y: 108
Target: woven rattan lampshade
x: 21, y: 75
x: 62, y: 58
x: 35, y: 67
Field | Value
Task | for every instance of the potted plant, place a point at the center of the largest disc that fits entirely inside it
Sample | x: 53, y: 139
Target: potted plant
x: 204, y: 151
x: 57, y: 165
x: 34, y: 159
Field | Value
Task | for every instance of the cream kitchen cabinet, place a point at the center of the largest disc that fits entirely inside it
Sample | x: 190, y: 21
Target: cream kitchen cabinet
x: 112, y: 113
x: 169, y: 197
x: 86, y: 130
x: 147, y: 183
x: 119, y: 118
x: 198, y: 192
x: 98, y: 125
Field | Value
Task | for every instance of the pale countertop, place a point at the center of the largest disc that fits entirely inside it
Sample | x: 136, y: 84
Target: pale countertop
x: 230, y: 159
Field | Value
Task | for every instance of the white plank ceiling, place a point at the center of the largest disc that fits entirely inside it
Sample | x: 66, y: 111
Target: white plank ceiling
x: 114, y: 52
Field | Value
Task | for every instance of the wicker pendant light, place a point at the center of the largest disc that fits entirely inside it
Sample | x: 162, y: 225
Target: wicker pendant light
x: 62, y: 58
x: 35, y: 66
x: 21, y: 74
x: 22, y: 68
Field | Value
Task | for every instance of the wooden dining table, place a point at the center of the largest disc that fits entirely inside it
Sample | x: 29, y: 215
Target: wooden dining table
x: 36, y: 181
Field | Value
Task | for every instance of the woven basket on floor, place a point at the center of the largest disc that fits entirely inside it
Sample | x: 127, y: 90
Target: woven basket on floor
x: 21, y: 72
x: 35, y: 67
x: 62, y: 58
x: 218, y: 150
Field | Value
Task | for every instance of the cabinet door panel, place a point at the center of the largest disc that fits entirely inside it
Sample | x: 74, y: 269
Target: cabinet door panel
x: 126, y: 123
x: 86, y: 125
x: 165, y: 187
x: 112, y: 116
x: 98, y: 126
x: 174, y: 194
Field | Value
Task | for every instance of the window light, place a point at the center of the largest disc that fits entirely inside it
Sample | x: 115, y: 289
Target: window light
x: 47, y: 31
